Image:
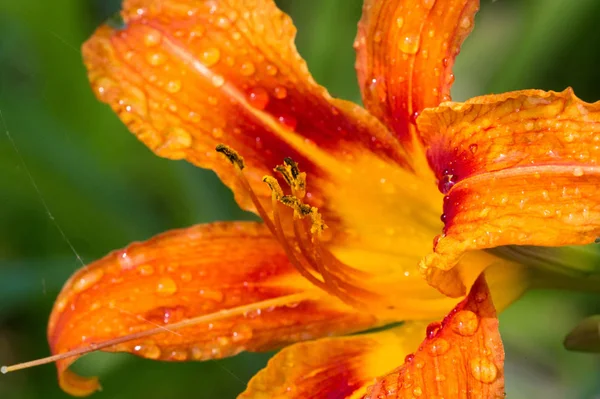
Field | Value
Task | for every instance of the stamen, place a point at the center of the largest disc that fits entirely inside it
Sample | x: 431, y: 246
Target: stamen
x: 238, y: 162
x: 310, y: 258
x: 232, y: 155
x: 221, y: 314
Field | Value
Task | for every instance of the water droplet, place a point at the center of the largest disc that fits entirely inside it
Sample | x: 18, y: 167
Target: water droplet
x: 399, y: 22
x: 433, y: 328
x: 156, y: 58
x: 417, y: 391
x: 146, y: 270
x: 186, y: 276
x: 102, y: 85
x: 197, y: 353
x: 410, y: 44
x: 271, y: 70
x: 413, y: 117
x: 152, y: 38
x: 174, y: 86
x: 377, y: 36
x: 166, y: 286
x: 409, y: 358
x: 242, y: 333
x: 465, y: 23
x: 177, y: 139
x: 148, y: 351
x: 210, y: 56
x: 258, y: 98
x: 87, y: 280
x: 483, y: 370
x: 419, y: 363
x: 280, y: 92
x: 61, y: 305
x: 577, y: 172
x: 473, y: 148
x: 447, y: 181
x: 247, y: 69
x: 438, y: 347
x: 218, y: 80
x: 178, y: 355
x: 288, y: 121
x: 217, y: 132
x: 223, y: 22
x: 465, y: 323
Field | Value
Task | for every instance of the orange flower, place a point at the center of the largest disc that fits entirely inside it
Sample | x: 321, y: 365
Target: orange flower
x: 350, y: 199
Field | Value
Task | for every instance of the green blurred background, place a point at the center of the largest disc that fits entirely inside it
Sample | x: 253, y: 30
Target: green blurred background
x: 74, y: 165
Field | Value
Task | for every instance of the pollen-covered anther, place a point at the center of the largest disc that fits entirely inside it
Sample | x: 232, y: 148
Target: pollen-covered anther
x: 293, y: 177
x: 232, y: 155
x: 273, y: 184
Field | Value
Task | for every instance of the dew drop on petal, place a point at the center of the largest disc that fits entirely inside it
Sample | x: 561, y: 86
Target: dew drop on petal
x: 433, y: 328
x: 156, y: 58
x: 178, y: 355
x: 419, y: 363
x: 577, y: 172
x: 166, y: 286
x: 438, y: 347
x: 417, y: 391
x: 178, y: 139
x: 465, y: 323
x: 271, y: 70
x: 483, y: 370
x: 210, y: 56
x: 87, y: 280
x: 377, y: 36
x: 410, y: 44
x: 473, y: 148
x: 186, y: 276
x: 446, y: 183
x: 258, y: 98
x: 399, y: 22
x: 280, y: 92
x: 217, y: 132
x: 148, y: 351
x: 288, y: 121
x: 218, y: 80
x: 173, y: 86
x: 247, y: 69
x: 152, y: 38
x: 465, y: 23
x: 241, y: 333
x: 146, y: 270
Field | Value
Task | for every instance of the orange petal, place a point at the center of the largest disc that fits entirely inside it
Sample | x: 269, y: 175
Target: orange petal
x: 462, y: 357
x: 232, y: 280
x: 333, y: 367
x: 518, y: 168
x: 186, y: 75
x: 405, y: 52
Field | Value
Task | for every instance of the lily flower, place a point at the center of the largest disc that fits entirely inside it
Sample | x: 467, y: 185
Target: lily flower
x: 370, y: 216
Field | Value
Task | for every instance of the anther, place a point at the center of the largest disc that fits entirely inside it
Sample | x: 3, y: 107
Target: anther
x: 274, y: 186
x: 292, y: 176
x: 293, y: 165
x: 232, y: 155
